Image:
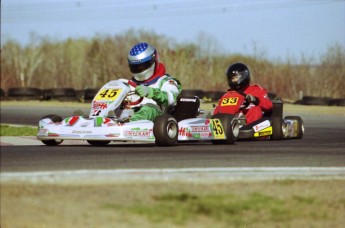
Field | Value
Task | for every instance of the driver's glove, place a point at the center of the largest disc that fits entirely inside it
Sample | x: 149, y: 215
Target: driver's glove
x: 144, y: 91
x: 252, y: 99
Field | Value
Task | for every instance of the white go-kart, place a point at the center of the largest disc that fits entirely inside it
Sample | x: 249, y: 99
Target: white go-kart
x: 110, y: 112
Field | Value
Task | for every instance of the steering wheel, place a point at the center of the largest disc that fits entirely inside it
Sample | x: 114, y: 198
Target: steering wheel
x: 131, y: 103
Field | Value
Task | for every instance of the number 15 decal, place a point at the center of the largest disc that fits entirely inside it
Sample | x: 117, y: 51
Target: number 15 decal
x: 217, y: 129
x: 229, y: 101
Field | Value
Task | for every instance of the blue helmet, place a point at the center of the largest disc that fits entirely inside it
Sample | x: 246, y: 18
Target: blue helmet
x: 142, y: 61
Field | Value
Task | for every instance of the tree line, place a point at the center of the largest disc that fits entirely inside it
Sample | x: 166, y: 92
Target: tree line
x: 89, y: 63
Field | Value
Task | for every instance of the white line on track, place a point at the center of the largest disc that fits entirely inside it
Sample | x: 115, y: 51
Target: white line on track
x: 182, y: 174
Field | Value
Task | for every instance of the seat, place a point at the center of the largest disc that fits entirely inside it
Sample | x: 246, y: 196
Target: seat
x: 185, y: 108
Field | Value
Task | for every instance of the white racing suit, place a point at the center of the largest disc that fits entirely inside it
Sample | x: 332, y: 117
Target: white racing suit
x: 164, y: 91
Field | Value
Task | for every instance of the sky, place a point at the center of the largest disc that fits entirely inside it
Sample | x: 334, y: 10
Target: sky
x: 274, y: 29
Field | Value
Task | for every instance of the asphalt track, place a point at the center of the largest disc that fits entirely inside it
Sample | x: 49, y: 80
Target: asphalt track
x: 322, y: 147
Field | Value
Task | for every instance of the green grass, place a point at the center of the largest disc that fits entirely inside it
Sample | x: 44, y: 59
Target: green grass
x: 278, y: 203
x: 7, y: 130
x: 230, y: 209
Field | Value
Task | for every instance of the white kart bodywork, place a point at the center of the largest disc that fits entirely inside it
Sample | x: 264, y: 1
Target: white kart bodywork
x: 106, y: 122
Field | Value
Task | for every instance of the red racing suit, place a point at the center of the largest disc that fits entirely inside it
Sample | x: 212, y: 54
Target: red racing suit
x: 254, y: 112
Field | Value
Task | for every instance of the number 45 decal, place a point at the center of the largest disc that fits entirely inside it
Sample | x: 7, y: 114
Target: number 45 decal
x: 108, y: 94
x: 217, y: 129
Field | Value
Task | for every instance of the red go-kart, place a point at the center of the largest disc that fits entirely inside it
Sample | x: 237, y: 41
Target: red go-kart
x: 271, y: 126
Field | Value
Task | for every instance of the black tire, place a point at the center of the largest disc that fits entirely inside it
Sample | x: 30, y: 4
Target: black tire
x: 310, y: 100
x: 98, y: 142
x: 47, y: 94
x: 300, y: 125
x: 277, y: 128
x: 55, y: 119
x: 25, y: 93
x: 64, y: 94
x: 89, y: 94
x: 230, y: 126
x: 165, y: 130
x: 2, y: 93
x: 337, y: 102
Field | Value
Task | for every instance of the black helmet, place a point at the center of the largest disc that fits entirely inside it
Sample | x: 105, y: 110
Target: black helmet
x: 238, y: 76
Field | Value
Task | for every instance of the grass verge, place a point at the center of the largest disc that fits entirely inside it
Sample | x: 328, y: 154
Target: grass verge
x: 12, y: 130
x: 279, y: 203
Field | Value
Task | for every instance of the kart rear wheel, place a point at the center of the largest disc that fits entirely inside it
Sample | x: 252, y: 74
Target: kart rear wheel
x: 165, y: 130
x: 98, y: 142
x: 55, y: 119
x: 278, y: 128
x: 230, y: 126
x: 300, y: 126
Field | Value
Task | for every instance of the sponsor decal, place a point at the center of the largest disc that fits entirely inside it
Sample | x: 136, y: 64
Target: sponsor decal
x: 99, y: 105
x: 137, y: 133
x: 184, y: 132
x: 188, y: 99
x: 205, y: 135
x: 200, y: 128
x: 81, y: 132
x: 261, y: 126
x: 264, y: 132
x: 201, y: 135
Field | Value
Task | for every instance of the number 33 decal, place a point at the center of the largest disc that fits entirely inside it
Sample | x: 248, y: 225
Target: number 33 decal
x: 229, y: 101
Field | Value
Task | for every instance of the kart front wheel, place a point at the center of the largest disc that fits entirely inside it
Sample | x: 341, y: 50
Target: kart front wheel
x: 230, y: 126
x: 298, y: 126
x: 55, y: 119
x: 165, y: 130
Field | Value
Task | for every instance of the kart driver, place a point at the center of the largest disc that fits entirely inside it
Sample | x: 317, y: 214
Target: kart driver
x: 238, y: 77
x: 150, y: 81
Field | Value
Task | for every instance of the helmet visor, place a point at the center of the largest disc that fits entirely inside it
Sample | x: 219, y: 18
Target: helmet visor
x: 235, y: 77
x: 136, y: 68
